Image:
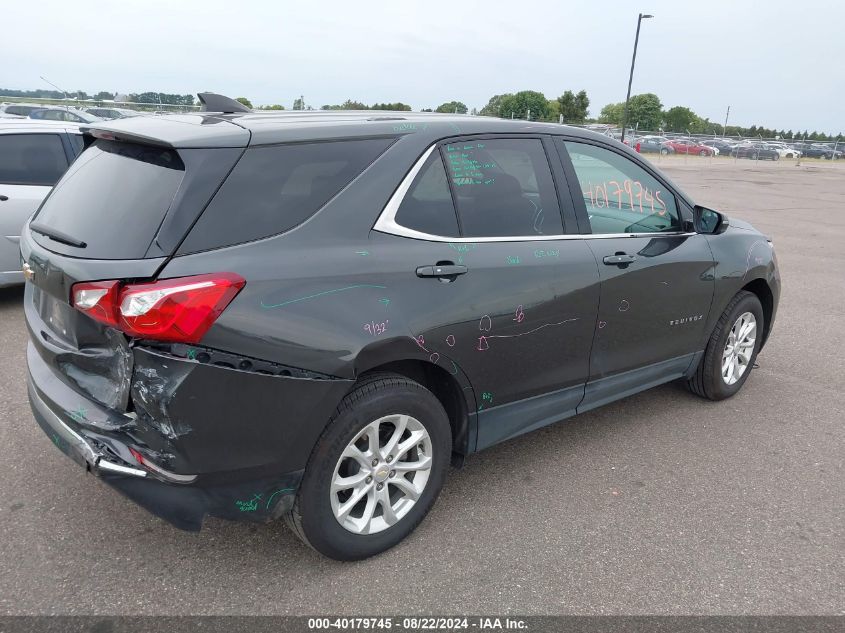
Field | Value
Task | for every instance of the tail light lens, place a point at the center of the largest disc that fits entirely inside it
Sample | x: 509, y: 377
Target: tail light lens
x: 180, y: 310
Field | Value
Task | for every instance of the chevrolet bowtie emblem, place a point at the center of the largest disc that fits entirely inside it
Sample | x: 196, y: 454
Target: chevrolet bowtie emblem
x: 28, y: 273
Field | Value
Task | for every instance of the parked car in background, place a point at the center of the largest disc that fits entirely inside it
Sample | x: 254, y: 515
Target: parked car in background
x: 818, y: 150
x: 653, y: 145
x: 690, y: 146
x: 785, y: 151
x: 33, y: 155
x: 755, y: 151
x: 18, y: 110
x: 70, y: 115
x: 724, y: 146
x: 112, y: 113
x: 309, y: 317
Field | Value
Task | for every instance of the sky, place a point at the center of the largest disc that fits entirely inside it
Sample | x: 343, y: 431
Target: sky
x: 776, y: 63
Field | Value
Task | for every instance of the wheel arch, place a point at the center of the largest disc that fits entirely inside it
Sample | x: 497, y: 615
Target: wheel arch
x: 458, y: 400
x: 763, y: 292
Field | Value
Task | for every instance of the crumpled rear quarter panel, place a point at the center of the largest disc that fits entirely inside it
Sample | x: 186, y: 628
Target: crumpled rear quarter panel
x: 201, y: 418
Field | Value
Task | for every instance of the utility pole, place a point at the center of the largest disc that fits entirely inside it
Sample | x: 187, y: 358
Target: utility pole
x: 725, y: 127
x: 631, y: 76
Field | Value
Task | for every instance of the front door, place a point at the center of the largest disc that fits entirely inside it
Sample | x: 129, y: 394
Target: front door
x: 656, y: 278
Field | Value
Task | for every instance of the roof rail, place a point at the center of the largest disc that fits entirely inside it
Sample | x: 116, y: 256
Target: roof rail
x: 213, y: 102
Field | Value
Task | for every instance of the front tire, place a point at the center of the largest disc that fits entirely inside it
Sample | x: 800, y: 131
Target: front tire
x: 664, y: 151
x: 376, y: 470
x: 732, y: 349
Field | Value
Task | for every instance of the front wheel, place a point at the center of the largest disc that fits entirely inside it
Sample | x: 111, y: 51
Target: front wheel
x: 703, y: 152
x: 376, y: 470
x: 664, y: 151
x: 731, y: 350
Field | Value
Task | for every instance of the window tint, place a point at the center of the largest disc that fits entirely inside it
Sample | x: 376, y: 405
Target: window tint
x: 274, y: 188
x: 621, y: 197
x: 31, y: 159
x: 503, y: 187
x: 113, y: 197
x: 427, y: 207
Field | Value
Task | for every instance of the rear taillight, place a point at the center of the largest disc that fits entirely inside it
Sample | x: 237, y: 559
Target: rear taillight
x: 179, y: 310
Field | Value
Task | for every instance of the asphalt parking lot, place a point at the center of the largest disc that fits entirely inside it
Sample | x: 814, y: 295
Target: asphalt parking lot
x: 658, y: 504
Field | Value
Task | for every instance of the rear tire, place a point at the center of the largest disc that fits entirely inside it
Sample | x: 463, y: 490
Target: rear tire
x: 703, y: 152
x: 387, y: 511
x: 709, y: 380
x: 664, y: 151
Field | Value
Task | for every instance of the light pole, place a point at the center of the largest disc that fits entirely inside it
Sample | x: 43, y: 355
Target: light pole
x: 631, y: 76
x: 54, y: 85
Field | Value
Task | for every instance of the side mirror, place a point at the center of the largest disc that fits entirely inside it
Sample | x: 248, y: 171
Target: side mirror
x: 709, y: 221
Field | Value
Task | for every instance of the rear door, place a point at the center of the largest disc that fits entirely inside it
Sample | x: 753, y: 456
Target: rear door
x: 656, y: 277
x: 30, y: 164
x: 500, y: 291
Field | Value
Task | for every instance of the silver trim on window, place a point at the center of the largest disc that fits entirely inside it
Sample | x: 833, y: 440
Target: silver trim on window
x: 386, y: 222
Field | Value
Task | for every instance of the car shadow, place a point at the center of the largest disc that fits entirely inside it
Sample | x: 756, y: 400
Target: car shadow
x: 11, y: 296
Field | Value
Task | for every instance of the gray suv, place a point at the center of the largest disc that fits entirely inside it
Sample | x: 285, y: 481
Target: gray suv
x: 310, y: 315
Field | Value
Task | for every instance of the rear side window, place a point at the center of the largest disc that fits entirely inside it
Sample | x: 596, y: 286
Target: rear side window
x: 427, y: 207
x: 113, y: 198
x: 19, y: 110
x: 31, y: 159
x: 277, y: 187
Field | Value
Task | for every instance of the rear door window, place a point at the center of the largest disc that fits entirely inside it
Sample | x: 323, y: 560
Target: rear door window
x: 113, y: 198
x: 31, y: 159
x: 277, y: 187
x: 503, y: 187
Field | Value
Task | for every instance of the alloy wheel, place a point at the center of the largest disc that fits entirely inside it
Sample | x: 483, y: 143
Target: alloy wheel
x: 381, y: 474
x: 739, y: 348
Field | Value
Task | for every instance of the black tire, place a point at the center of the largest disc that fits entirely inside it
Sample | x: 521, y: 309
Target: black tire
x: 664, y: 151
x: 703, y: 152
x: 707, y: 381
x: 377, y: 395
x: 776, y: 157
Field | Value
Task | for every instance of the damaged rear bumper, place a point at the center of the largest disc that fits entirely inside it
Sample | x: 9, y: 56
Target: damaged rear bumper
x: 245, y: 467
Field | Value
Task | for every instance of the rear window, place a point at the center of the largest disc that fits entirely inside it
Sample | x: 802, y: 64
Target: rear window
x: 275, y: 188
x: 31, y: 159
x: 113, y: 198
x: 20, y: 110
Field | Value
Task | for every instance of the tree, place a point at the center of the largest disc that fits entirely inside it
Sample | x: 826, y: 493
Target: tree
x: 452, y: 107
x: 244, y: 101
x: 612, y: 113
x: 524, y: 104
x: 275, y: 106
x: 398, y: 106
x: 573, y: 107
x: 679, y: 119
x: 299, y: 104
x: 104, y: 96
x: 346, y: 105
x: 645, y: 112
x: 493, y: 107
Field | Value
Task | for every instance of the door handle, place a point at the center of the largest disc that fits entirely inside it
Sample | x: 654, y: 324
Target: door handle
x: 441, y: 270
x: 619, y: 259
x: 3, y: 198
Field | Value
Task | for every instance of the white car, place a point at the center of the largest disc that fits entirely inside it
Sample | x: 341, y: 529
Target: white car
x: 18, y: 110
x: 33, y: 156
x: 785, y: 150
